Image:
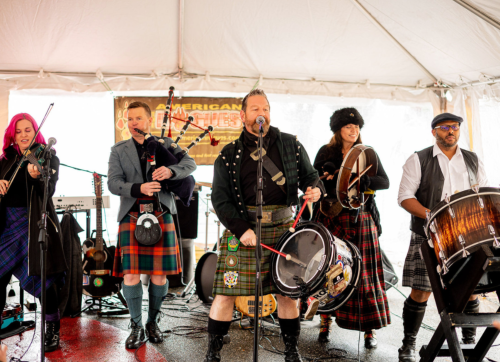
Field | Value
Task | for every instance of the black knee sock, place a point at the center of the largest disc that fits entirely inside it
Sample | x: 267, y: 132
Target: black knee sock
x: 219, y: 328
x: 290, y: 326
x: 413, y: 303
x: 413, y: 314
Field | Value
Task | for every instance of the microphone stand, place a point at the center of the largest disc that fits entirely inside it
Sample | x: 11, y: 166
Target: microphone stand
x: 258, y: 247
x: 43, y: 239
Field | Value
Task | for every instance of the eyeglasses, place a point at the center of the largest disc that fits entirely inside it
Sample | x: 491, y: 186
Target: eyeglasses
x: 447, y: 128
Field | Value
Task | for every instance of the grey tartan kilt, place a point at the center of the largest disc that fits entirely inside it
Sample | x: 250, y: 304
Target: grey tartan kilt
x: 414, y: 272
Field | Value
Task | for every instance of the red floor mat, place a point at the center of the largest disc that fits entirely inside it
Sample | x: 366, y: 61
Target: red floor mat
x: 83, y: 340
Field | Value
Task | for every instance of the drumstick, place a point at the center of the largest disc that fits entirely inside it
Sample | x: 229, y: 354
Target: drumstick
x: 286, y: 256
x: 360, y: 175
x: 292, y: 229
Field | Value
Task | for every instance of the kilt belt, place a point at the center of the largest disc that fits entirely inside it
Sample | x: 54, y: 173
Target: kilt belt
x: 271, y: 215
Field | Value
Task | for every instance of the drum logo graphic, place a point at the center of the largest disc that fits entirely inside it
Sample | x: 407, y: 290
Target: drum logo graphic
x: 98, y: 282
x: 231, y: 260
x: 230, y: 279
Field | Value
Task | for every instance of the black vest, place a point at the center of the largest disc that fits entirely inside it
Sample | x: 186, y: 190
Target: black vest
x: 432, y: 182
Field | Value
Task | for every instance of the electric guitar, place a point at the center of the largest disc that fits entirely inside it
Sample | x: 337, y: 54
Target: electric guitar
x: 246, y: 305
x: 98, y: 258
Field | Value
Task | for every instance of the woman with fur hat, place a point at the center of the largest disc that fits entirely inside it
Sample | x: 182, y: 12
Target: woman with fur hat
x: 369, y: 310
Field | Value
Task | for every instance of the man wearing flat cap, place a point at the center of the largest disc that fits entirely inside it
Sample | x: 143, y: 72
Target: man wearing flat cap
x: 429, y: 176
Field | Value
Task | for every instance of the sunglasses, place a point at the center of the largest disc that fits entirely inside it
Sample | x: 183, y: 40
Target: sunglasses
x: 447, y: 128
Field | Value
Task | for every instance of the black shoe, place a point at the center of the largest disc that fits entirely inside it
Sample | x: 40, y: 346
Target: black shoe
x: 324, y: 329
x: 370, y: 340
x: 153, y: 332
x: 52, y: 336
x: 136, y: 337
x: 215, y: 343
x: 407, y: 353
x: 291, y: 350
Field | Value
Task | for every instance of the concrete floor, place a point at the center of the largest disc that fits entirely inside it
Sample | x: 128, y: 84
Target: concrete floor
x: 343, y: 345
x: 180, y: 317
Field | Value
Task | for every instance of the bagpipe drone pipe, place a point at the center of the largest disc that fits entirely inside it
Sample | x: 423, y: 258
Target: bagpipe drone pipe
x: 158, y: 156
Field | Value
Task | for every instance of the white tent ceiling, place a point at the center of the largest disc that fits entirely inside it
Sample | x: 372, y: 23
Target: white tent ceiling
x: 385, y: 49
x: 326, y: 40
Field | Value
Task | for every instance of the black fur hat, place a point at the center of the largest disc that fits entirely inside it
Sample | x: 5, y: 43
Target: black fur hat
x: 343, y: 117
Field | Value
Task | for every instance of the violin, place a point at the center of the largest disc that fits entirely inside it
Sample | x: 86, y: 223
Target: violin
x: 35, y: 157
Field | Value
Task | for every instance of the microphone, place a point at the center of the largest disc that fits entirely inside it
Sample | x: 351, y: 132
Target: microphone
x: 260, y: 120
x: 52, y: 142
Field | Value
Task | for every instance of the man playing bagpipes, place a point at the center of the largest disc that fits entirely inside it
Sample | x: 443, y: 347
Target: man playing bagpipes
x: 147, y: 242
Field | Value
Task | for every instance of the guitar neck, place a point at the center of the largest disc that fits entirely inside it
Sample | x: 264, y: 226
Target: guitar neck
x: 98, y: 205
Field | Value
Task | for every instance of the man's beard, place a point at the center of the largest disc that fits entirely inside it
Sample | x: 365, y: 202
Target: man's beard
x: 444, y: 143
x: 254, y: 126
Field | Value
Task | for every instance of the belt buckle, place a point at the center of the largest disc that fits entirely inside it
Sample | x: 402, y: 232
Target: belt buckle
x: 146, y: 208
x: 267, y: 217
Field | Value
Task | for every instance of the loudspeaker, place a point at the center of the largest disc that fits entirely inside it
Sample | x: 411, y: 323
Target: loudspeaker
x: 188, y: 217
x: 390, y: 277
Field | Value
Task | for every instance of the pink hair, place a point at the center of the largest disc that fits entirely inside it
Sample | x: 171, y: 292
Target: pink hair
x: 10, y: 133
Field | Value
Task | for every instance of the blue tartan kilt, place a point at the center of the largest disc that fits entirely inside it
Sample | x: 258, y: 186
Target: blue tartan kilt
x: 14, y: 251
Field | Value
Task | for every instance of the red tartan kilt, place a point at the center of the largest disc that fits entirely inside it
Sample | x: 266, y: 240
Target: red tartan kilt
x: 372, y: 311
x: 162, y: 258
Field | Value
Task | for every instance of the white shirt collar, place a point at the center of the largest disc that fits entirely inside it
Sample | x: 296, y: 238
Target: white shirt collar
x: 436, y: 151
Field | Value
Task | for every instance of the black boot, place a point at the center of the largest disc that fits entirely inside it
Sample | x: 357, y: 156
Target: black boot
x: 136, y: 337
x: 324, y: 328
x: 469, y: 333
x: 291, y: 350
x: 153, y: 332
x: 52, y: 336
x: 413, y: 314
x: 215, y: 343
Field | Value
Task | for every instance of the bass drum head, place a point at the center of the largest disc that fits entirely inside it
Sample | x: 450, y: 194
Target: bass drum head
x: 311, y: 243
x: 205, y: 275
x: 352, y: 275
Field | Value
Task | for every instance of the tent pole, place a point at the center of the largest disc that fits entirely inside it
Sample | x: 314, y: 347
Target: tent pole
x: 479, y: 13
x: 386, y: 32
x: 180, y: 55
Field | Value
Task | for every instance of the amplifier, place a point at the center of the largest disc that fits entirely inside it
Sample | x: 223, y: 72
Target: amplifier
x: 188, y: 217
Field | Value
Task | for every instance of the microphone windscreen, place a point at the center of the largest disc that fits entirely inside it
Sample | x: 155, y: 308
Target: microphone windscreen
x: 329, y: 167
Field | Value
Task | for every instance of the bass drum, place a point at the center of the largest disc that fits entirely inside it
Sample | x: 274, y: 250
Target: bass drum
x: 204, y: 275
x: 320, y: 251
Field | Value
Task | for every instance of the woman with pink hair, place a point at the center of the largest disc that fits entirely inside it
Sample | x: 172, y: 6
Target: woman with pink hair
x: 20, y: 211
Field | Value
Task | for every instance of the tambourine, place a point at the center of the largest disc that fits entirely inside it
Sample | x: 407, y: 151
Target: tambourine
x: 148, y: 230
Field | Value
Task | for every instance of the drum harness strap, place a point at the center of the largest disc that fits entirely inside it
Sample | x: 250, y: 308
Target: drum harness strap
x: 276, y: 175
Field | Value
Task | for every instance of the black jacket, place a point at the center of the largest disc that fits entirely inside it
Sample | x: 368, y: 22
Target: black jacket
x: 378, y: 182
x: 226, y: 192
x: 56, y: 262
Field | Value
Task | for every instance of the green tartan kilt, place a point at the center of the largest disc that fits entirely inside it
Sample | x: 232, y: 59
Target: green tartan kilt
x: 226, y: 283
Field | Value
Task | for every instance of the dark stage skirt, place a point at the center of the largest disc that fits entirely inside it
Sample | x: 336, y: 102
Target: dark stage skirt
x: 162, y: 258
x: 235, y: 273
x: 372, y: 311
x: 14, y: 251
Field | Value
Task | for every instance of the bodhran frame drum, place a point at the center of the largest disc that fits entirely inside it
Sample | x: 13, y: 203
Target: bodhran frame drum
x: 320, y: 251
x: 460, y: 224
x: 360, y: 160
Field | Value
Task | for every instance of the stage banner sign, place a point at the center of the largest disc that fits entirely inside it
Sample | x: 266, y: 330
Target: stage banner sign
x: 221, y: 113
